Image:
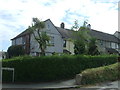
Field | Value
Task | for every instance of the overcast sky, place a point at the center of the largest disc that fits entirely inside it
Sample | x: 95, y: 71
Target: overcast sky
x: 16, y: 15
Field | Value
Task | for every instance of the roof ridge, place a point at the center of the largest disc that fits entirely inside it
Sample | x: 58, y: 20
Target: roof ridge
x: 26, y: 30
x: 65, y: 29
x: 103, y: 32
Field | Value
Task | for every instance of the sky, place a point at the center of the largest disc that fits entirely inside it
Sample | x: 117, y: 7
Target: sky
x: 16, y: 15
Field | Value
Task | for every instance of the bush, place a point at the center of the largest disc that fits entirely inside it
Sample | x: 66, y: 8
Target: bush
x: 79, y: 47
x: 101, y: 74
x: 15, y: 50
x: 92, y: 47
x: 50, y: 68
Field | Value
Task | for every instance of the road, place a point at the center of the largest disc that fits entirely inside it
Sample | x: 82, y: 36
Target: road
x: 64, y: 85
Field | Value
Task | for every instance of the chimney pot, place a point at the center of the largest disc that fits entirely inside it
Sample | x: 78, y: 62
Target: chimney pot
x: 62, y: 25
x: 89, y: 26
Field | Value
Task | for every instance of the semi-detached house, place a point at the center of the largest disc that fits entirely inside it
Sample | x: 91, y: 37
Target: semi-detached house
x: 60, y: 40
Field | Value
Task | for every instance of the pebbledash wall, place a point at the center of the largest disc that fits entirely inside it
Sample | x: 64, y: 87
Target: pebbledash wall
x: 56, y: 41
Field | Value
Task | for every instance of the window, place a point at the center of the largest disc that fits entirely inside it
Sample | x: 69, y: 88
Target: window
x: 116, y: 45
x: 23, y: 46
x: 51, y: 40
x: 14, y: 42
x: 119, y: 46
x: 101, y: 42
x: 48, y: 27
x: 107, y: 44
x: 64, y: 43
x: 23, y: 40
x: 110, y: 45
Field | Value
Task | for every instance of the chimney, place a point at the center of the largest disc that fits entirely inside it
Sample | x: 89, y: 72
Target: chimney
x: 62, y: 25
x: 89, y: 26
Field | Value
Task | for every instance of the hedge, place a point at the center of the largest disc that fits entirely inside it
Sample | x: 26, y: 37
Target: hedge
x: 16, y: 50
x: 101, y: 74
x: 50, y: 68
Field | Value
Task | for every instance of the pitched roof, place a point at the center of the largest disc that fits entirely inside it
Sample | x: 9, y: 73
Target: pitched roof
x: 24, y: 32
x: 118, y: 32
x: 104, y: 36
x: 111, y: 51
x: 67, y: 33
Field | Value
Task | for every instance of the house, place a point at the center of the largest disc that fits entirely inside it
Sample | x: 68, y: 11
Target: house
x: 110, y: 43
x: 107, y: 43
x: 117, y: 34
x: 61, y: 40
x: 26, y: 39
x: 3, y: 55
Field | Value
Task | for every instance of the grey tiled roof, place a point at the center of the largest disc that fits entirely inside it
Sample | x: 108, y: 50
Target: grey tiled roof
x: 104, y: 36
x: 66, y: 33
x: 111, y: 51
x: 22, y: 34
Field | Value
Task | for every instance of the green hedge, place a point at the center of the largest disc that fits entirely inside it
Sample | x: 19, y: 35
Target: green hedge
x: 101, y: 74
x: 50, y: 68
x: 16, y: 50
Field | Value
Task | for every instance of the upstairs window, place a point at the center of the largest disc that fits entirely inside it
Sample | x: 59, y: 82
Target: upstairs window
x: 101, y: 42
x: 23, y: 40
x: 51, y: 40
x: 48, y: 27
x: 14, y: 42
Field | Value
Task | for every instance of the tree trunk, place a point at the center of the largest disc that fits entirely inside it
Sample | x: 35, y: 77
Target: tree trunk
x: 42, y: 52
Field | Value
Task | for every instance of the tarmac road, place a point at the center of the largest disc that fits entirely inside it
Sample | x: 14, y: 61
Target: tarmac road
x: 64, y: 85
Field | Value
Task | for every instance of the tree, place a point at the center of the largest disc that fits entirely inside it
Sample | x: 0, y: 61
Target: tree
x: 92, y: 48
x: 16, y: 50
x: 75, y: 26
x: 85, y: 24
x: 79, y: 47
x: 39, y: 34
x: 81, y: 42
x: 82, y: 39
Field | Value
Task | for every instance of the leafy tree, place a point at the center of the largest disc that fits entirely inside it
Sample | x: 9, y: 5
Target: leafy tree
x: 85, y: 24
x: 16, y: 50
x: 81, y: 40
x: 79, y: 47
x: 92, y: 48
x: 75, y: 26
x: 39, y: 34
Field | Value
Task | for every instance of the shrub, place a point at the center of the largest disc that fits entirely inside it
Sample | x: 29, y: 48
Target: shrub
x: 92, y: 47
x: 101, y: 74
x: 50, y: 68
x: 15, y: 50
x: 79, y: 47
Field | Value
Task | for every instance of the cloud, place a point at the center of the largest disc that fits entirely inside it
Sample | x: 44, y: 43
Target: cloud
x: 16, y: 15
